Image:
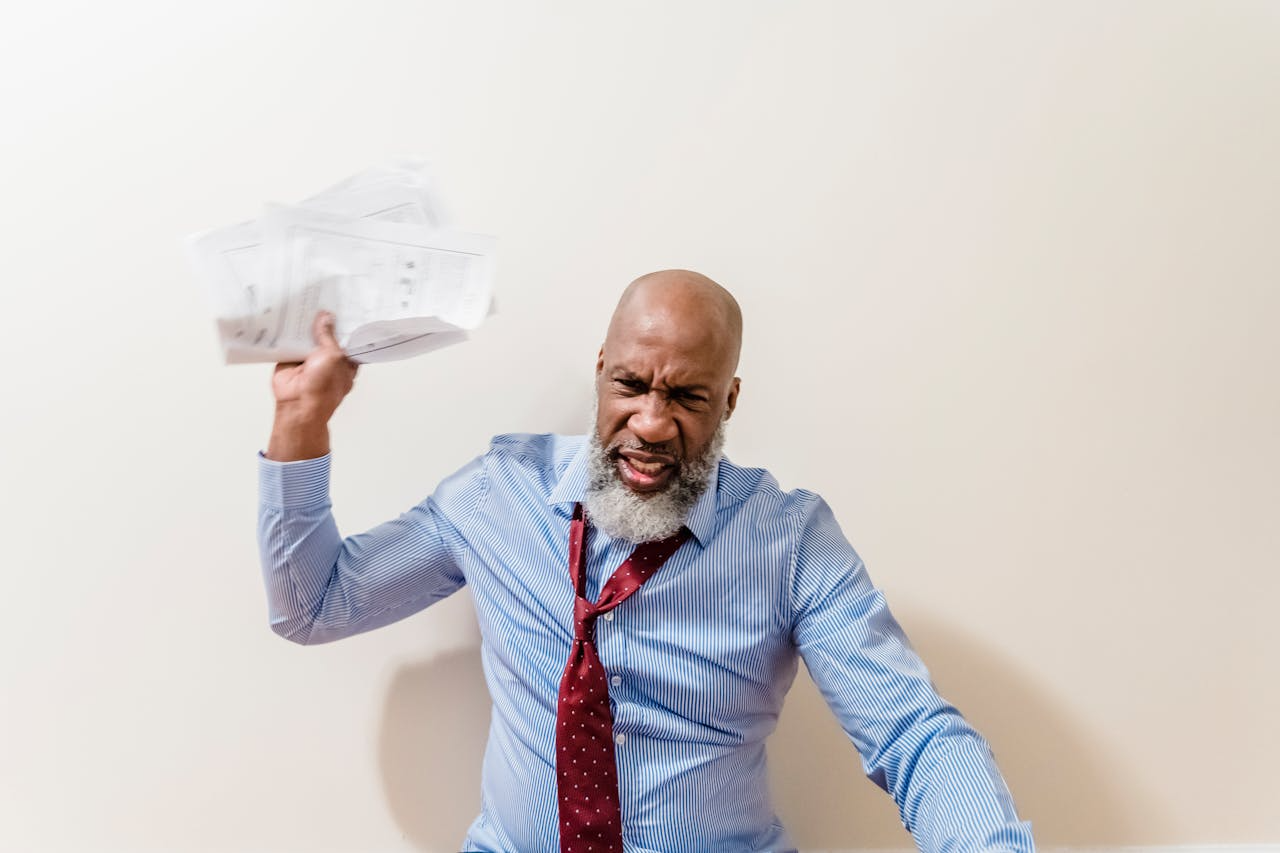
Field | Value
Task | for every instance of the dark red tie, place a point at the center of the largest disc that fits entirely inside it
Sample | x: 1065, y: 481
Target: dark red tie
x: 586, y: 773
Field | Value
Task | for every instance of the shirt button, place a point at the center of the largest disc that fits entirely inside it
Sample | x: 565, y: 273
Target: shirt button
x: 616, y: 680
x: 620, y: 739
x: 608, y: 617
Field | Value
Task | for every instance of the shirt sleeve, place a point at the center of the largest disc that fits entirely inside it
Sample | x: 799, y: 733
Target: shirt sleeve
x: 914, y: 745
x: 322, y: 587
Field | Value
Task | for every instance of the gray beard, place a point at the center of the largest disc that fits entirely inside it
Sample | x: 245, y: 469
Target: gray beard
x: 622, y: 514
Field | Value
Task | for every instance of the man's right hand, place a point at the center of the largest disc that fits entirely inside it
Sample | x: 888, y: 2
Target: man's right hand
x: 307, y: 394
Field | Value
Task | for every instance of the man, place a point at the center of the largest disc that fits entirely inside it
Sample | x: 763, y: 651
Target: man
x: 722, y: 580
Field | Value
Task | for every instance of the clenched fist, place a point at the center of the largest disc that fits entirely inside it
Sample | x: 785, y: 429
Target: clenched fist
x: 307, y: 394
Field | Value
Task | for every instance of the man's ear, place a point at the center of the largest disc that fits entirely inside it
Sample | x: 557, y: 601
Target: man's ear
x: 600, y: 360
x: 732, y: 402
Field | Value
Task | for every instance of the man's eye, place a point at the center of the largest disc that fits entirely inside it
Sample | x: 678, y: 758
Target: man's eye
x: 631, y: 384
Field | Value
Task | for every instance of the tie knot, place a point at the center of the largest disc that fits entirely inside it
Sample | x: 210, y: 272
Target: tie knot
x: 584, y: 618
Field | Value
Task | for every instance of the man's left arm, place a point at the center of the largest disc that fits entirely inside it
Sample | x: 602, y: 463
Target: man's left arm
x: 913, y: 744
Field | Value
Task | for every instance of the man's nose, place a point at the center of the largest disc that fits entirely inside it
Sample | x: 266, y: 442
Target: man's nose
x: 651, y: 422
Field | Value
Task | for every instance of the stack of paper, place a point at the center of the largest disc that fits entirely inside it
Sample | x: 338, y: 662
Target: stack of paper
x: 372, y: 249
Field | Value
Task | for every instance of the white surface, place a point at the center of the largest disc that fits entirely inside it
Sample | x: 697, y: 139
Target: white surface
x: 1009, y: 274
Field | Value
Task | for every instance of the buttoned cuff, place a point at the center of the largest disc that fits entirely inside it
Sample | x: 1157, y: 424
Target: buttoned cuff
x: 289, y: 485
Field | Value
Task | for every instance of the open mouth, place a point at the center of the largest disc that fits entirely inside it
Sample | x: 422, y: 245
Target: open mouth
x: 643, y: 472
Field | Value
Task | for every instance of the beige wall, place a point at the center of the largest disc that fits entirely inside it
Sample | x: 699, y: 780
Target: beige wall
x: 1010, y: 274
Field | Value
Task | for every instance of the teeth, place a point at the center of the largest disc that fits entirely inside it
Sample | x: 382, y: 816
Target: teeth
x: 646, y: 467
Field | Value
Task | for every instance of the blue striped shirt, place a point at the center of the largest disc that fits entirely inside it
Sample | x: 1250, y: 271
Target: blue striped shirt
x: 699, y: 659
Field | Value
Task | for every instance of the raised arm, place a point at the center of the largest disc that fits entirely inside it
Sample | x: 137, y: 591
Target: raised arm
x: 913, y: 744
x: 320, y: 586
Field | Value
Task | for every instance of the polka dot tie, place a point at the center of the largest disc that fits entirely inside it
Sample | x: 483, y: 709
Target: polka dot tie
x: 586, y: 772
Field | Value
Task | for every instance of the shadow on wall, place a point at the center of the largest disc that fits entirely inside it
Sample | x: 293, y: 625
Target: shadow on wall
x: 434, y: 724
x: 1059, y: 776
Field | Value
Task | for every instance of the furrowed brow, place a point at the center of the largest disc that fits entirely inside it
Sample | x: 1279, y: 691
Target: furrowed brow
x: 689, y: 390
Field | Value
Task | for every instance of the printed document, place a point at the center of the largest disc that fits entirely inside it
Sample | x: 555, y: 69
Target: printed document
x: 373, y: 250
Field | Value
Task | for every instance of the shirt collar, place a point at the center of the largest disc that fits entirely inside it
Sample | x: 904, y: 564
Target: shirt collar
x: 572, y: 488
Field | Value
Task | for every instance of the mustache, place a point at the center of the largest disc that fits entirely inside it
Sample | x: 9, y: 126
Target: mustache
x: 643, y: 447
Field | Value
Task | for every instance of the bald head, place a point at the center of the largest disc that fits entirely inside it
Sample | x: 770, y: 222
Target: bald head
x: 664, y: 389
x: 689, y: 310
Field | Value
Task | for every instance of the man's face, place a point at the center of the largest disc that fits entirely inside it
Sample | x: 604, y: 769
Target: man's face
x: 663, y: 389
